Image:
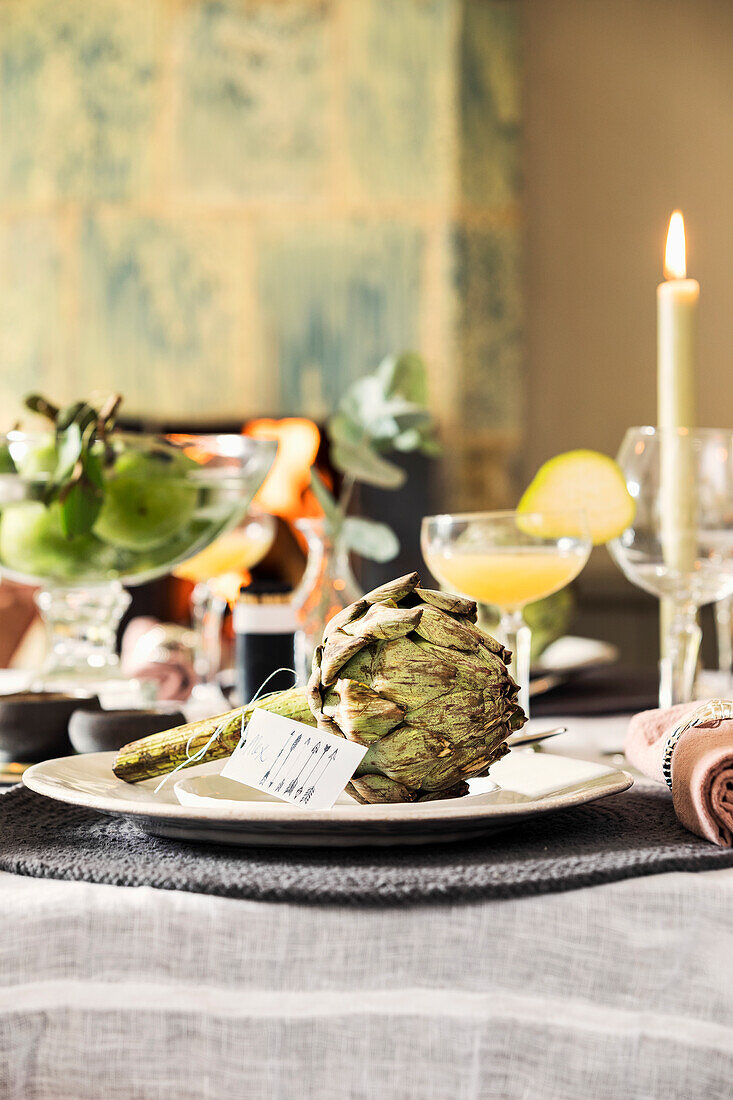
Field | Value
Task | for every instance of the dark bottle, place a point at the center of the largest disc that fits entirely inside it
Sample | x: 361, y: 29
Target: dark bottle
x: 264, y: 629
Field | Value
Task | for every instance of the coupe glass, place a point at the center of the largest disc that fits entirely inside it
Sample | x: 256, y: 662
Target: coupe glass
x: 507, y: 559
x: 165, y: 499
x: 680, y: 544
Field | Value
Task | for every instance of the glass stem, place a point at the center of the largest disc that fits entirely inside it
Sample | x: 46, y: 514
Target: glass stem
x: 81, y: 626
x: 200, y: 598
x: 212, y: 629
x: 723, y: 620
x: 679, y: 663
x: 207, y: 615
x: 517, y: 637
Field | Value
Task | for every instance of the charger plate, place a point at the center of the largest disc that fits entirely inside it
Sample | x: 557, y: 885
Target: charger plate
x: 215, y: 817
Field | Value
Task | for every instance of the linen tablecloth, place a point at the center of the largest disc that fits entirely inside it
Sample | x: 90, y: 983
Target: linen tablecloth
x: 623, y: 990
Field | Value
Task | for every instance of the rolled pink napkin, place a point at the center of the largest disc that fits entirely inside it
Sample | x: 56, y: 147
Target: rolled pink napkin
x: 702, y: 767
x: 174, y: 679
x: 158, y: 652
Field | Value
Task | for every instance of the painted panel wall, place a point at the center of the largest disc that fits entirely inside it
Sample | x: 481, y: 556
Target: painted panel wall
x: 228, y: 208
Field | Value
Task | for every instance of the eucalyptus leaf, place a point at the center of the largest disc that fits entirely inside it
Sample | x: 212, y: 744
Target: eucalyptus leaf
x: 411, y: 440
x: 371, y: 539
x: 364, y: 464
x: 382, y: 431
x: 430, y: 446
x: 410, y: 416
x: 325, y: 498
x: 385, y: 404
x: 405, y: 375
x: 343, y: 429
x: 381, y: 413
x: 396, y: 417
x: 364, y: 401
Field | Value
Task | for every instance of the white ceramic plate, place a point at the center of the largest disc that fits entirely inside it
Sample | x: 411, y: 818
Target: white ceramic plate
x: 570, y: 654
x: 213, y: 815
x: 565, y: 658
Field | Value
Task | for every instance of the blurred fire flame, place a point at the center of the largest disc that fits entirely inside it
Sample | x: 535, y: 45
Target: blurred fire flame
x: 286, y: 490
x: 190, y: 449
x: 226, y: 586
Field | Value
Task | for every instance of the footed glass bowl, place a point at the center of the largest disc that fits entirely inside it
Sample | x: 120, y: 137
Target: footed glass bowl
x: 164, y: 499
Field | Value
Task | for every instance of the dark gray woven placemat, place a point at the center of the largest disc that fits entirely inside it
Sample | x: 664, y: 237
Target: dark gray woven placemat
x: 631, y: 834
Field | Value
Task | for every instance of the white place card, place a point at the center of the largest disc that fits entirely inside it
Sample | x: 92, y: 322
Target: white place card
x: 292, y: 761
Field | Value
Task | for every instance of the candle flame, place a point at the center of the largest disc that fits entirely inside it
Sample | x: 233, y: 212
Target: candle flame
x: 675, y: 263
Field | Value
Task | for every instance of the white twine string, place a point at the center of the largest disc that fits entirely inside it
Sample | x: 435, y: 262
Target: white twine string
x: 202, y: 751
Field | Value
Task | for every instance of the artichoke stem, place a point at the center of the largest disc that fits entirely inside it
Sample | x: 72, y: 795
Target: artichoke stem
x: 161, y: 753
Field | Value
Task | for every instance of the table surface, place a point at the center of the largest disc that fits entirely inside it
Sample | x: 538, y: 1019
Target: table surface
x: 623, y: 990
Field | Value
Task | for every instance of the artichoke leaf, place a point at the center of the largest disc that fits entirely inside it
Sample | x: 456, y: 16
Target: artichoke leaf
x: 461, y: 712
x: 459, y: 791
x: 409, y: 676
x: 394, y: 590
x: 413, y: 672
x: 446, y: 601
x: 383, y: 623
x: 379, y: 788
x: 462, y: 765
x: 313, y: 687
x: 363, y: 714
x: 416, y: 678
x: 405, y: 753
x: 346, y: 615
x: 341, y: 647
x: 443, y: 630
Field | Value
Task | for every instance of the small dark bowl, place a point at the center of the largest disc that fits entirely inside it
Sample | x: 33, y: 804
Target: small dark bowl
x: 107, y: 730
x: 34, y: 724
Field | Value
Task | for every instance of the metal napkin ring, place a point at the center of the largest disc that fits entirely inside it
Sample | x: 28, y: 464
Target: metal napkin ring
x: 715, y: 710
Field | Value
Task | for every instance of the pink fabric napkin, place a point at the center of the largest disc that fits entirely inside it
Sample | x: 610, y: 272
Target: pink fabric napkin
x: 702, y: 767
x: 169, y: 668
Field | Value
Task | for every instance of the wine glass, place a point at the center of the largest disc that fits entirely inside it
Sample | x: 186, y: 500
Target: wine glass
x: 164, y: 499
x: 507, y: 559
x: 679, y: 546
x: 724, y: 637
x: 217, y: 572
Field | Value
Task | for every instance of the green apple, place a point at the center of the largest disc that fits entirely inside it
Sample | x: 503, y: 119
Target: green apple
x: 146, y: 500
x: 32, y: 543
x: 7, y: 466
x: 179, y: 547
x: 40, y: 460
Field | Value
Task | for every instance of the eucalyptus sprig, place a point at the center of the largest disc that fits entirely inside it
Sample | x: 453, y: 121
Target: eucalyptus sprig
x: 82, y: 452
x: 383, y: 413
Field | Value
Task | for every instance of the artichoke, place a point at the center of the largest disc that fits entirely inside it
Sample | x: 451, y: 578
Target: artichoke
x: 403, y: 671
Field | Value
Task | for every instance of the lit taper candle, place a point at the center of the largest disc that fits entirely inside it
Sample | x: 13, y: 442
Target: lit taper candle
x: 677, y: 302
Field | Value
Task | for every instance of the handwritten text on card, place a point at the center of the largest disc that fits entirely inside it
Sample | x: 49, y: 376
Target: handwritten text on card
x: 294, y: 762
